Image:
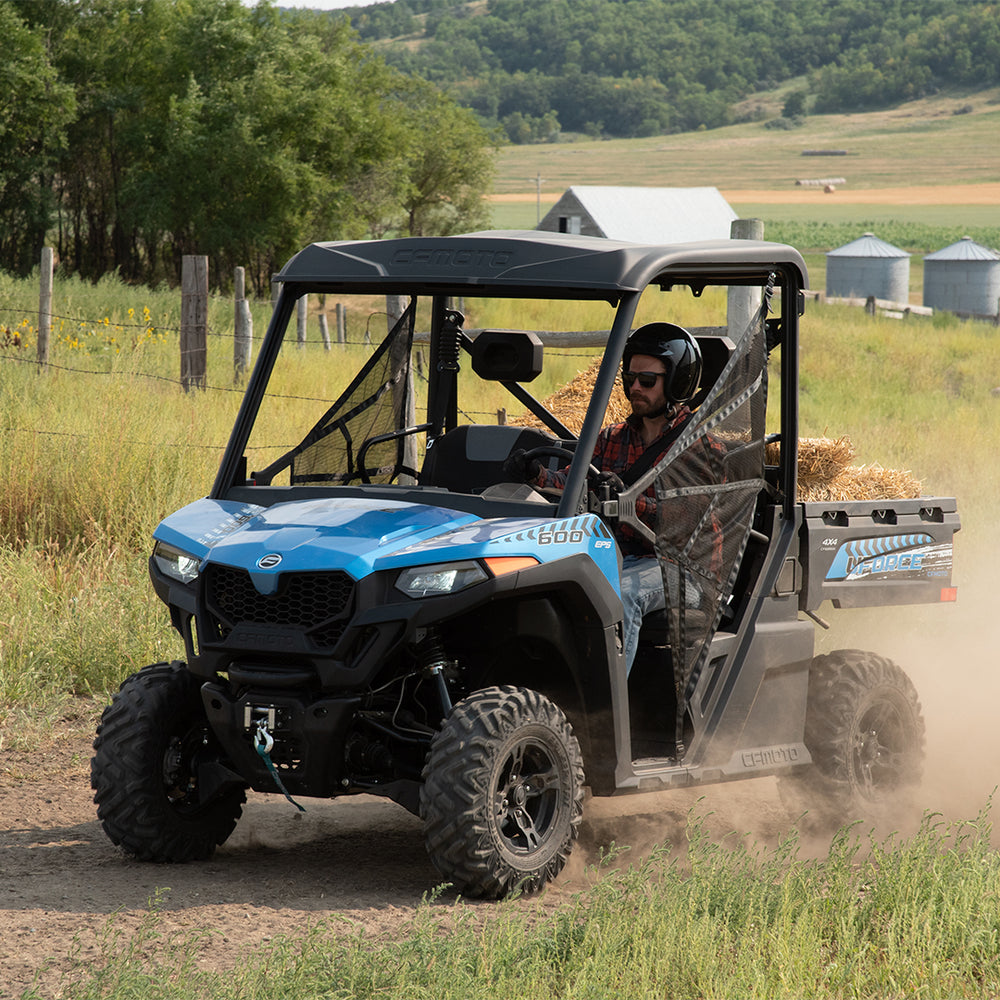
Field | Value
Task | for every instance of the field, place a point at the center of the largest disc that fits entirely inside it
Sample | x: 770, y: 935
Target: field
x: 928, y: 143
x: 341, y: 901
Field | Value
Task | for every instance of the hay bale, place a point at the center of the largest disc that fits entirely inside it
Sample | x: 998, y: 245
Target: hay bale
x: 866, y: 482
x: 820, y: 459
x: 825, y: 473
x: 570, y: 402
x: 823, y: 459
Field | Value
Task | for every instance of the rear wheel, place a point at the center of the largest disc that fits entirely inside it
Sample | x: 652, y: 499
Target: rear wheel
x: 502, y: 796
x: 145, y: 771
x: 865, y: 732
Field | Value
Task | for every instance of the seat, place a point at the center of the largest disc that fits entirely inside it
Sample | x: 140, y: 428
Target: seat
x: 470, y: 458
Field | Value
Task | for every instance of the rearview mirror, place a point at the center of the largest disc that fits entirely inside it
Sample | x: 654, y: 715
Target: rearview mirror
x: 507, y: 355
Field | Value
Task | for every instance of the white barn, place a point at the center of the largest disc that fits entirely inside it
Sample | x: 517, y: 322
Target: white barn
x: 641, y: 214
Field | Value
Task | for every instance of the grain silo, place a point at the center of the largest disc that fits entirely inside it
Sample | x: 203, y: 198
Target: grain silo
x: 963, y: 278
x: 868, y: 266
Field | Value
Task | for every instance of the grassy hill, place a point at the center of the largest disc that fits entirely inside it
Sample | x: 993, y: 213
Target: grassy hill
x: 949, y: 140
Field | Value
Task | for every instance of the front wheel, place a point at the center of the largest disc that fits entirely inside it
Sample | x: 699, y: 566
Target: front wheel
x: 150, y: 745
x: 865, y: 732
x: 502, y: 796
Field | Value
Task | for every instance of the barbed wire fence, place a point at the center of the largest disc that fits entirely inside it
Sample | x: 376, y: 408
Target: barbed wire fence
x: 194, y: 334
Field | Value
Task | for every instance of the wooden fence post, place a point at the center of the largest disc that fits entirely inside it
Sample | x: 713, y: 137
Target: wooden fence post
x: 194, y: 321
x: 341, y: 324
x: 45, y: 307
x: 301, y: 318
x: 743, y: 301
x: 324, y: 326
x: 243, y: 326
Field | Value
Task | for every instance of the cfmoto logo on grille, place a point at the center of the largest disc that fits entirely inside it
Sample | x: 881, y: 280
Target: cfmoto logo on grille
x: 269, y: 561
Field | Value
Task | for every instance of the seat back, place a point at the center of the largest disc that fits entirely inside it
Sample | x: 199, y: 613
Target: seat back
x: 470, y: 458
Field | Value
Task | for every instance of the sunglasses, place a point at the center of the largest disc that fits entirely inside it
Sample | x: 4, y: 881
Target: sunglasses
x: 646, y: 379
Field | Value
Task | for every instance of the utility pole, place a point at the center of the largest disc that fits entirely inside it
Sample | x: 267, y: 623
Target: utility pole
x: 538, y: 179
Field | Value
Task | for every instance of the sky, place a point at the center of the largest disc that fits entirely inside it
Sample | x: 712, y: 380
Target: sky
x: 324, y: 4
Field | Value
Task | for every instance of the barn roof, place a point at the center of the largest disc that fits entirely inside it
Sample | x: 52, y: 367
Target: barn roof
x: 648, y: 214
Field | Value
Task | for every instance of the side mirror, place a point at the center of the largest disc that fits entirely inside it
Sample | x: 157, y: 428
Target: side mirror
x: 507, y: 355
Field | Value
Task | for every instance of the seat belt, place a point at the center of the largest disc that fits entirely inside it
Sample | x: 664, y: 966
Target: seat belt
x: 649, y: 457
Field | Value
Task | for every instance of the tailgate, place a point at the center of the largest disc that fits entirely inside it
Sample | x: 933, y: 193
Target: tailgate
x: 867, y: 553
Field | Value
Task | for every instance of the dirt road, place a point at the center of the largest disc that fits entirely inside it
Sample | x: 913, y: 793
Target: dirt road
x: 956, y: 194
x: 62, y: 879
x: 359, y: 861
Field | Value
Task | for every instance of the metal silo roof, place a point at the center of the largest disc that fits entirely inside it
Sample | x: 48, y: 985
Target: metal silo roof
x: 868, y: 245
x: 965, y: 249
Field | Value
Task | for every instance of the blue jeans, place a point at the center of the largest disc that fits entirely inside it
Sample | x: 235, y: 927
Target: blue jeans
x: 642, y: 592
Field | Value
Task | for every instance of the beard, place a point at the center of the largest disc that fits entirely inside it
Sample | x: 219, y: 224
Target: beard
x: 643, y: 407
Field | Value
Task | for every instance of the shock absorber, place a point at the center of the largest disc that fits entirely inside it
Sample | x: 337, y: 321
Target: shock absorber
x: 446, y: 348
x: 433, y: 663
x: 450, y: 344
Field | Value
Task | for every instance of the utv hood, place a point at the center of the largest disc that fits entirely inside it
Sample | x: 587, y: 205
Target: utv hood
x: 349, y: 534
x: 360, y: 535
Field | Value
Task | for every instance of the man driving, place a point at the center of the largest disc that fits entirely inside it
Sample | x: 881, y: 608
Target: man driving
x: 661, y: 371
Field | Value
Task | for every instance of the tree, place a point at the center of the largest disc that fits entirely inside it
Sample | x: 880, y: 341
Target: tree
x: 272, y: 155
x: 206, y: 126
x: 34, y: 113
x: 795, y: 104
x: 447, y: 162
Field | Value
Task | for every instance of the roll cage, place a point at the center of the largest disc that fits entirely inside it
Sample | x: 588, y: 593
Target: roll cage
x: 528, y: 264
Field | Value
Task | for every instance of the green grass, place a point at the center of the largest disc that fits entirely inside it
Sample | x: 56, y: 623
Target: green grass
x: 893, y: 918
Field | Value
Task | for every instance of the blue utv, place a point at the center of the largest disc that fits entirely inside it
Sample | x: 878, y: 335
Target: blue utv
x: 368, y: 604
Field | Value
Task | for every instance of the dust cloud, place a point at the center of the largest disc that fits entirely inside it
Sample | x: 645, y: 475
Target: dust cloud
x: 951, y: 657
x: 948, y: 653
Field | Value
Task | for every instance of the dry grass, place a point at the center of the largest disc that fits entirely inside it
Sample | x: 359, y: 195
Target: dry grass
x: 919, y: 144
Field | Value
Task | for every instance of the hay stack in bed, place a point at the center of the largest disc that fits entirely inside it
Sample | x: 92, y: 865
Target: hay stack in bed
x: 825, y: 472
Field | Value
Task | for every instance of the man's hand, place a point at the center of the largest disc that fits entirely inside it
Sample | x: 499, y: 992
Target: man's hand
x: 518, y: 469
x: 612, y: 481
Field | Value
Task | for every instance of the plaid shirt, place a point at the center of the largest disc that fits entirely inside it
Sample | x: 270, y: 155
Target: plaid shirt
x: 619, y: 446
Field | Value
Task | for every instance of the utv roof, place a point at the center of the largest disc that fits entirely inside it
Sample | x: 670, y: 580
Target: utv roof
x: 527, y: 262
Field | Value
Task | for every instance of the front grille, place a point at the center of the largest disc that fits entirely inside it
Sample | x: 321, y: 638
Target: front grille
x: 317, y: 603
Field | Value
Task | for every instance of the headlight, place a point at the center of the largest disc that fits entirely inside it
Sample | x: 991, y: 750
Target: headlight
x: 175, y: 563
x: 442, y: 578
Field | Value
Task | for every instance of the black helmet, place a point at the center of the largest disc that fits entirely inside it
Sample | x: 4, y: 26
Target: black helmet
x: 677, y: 349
